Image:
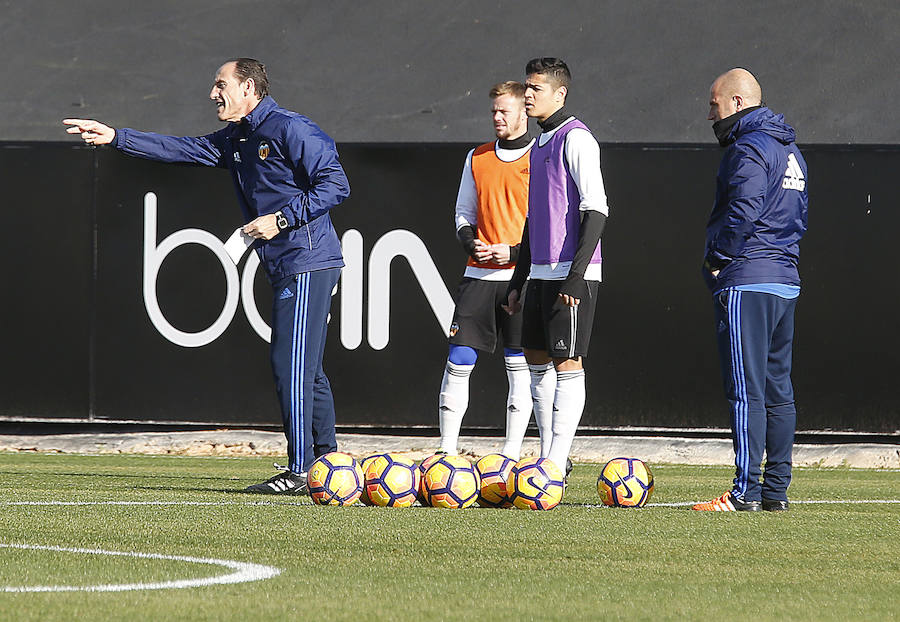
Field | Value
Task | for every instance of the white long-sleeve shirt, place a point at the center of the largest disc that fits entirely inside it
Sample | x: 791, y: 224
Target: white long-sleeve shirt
x: 582, y: 154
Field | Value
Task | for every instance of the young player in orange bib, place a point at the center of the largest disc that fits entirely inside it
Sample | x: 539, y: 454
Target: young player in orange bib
x: 490, y: 213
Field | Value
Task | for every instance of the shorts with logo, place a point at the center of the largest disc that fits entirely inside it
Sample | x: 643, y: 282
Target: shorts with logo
x: 550, y: 325
x: 479, y: 318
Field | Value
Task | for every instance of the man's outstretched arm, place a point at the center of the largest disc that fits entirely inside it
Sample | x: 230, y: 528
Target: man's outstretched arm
x: 204, y: 150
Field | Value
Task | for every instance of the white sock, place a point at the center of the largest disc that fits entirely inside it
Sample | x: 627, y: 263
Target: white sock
x: 518, y: 405
x: 567, y: 410
x: 452, y: 403
x: 543, y: 391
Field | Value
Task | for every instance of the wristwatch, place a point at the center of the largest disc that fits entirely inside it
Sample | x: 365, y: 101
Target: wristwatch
x: 281, y: 221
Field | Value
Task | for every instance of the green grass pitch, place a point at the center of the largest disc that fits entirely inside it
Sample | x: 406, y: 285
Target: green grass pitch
x: 820, y: 561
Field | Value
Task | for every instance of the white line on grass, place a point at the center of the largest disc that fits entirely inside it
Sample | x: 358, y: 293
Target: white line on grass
x: 862, y: 501
x: 682, y: 504
x: 796, y: 467
x: 243, y: 572
x: 678, y: 504
x: 190, y: 503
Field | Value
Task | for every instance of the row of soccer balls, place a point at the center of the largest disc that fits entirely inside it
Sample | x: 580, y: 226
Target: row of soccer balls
x: 447, y: 481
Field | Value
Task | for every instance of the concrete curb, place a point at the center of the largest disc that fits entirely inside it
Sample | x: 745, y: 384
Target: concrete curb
x: 585, y: 449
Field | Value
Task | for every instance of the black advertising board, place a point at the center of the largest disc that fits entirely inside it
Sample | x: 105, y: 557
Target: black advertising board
x: 400, y: 200
x: 47, y: 300
x: 159, y: 323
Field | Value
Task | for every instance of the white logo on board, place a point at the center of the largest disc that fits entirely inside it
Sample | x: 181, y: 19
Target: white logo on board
x: 239, y: 286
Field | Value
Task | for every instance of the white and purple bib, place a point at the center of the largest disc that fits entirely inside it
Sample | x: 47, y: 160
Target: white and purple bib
x: 554, y: 219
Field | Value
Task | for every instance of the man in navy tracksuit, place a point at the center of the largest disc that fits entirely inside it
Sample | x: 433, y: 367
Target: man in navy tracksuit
x: 750, y: 265
x: 287, y: 177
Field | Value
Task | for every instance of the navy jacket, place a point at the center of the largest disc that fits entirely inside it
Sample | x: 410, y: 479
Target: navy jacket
x: 760, y: 212
x: 279, y: 160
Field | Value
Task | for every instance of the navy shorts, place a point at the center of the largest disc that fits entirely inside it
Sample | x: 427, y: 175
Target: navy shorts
x: 479, y: 319
x: 550, y: 325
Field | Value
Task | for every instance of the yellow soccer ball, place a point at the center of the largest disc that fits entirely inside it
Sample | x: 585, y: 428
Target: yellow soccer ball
x: 535, y: 484
x: 364, y: 465
x: 494, y: 471
x: 451, y: 482
x: 625, y: 483
x: 335, y: 479
x: 423, y: 466
x: 391, y: 480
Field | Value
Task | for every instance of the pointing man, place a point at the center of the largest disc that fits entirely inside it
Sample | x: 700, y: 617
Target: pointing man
x: 287, y: 177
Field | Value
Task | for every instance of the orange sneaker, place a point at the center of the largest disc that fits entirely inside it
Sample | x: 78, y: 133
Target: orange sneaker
x: 729, y: 503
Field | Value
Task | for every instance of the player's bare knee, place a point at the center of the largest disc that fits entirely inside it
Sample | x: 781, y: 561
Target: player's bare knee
x: 536, y: 357
x: 568, y: 364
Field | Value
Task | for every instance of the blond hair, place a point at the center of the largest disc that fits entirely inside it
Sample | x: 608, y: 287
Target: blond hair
x: 510, y: 87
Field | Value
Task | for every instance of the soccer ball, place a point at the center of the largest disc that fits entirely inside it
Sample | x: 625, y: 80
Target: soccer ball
x: 535, y: 484
x: 625, y: 483
x: 494, y: 470
x: 451, y: 482
x: 367, y: 461
x: 391, y: 480
x: 423, y: 466
x: 364, y: 465
x: 335, y: 479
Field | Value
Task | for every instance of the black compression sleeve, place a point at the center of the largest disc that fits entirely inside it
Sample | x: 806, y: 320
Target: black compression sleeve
x: 466, y: 237
x: 523, y: 265
x: 514, y: 253
x: 592, y: 225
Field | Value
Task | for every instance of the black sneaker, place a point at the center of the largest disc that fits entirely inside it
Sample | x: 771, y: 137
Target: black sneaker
x: 569, y: 467
x: 773, y: 505
x: 286, y: 483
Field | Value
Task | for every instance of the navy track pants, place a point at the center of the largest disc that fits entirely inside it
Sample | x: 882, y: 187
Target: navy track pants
x: 299, y: 326
x: 755, y: 335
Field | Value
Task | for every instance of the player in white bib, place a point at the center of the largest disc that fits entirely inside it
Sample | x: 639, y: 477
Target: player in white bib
x: 560, y: 254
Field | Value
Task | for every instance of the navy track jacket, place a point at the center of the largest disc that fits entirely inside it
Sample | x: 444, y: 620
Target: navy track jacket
x: 760, y: 212
x: 279, y: 160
